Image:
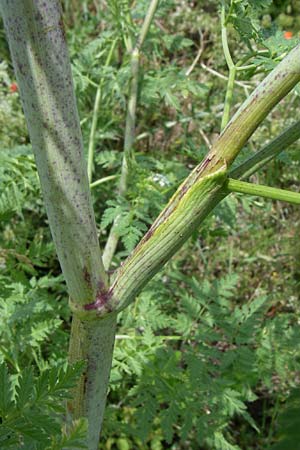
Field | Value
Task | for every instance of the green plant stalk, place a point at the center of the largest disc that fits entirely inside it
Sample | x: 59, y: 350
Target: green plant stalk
x: 253, y: 111
x: 231, y: 67
x: 262, y: 191
x: 171, y: 228
x: 267, y: 153
x: 98, y: 98
x: 103, y: 180
x: 195, y: 198
x: 95, y: 339
x: 113, y: 238
x: 228, y: 97
x: 39, y: 52
x: 40, y: 57
x: 146, y: 24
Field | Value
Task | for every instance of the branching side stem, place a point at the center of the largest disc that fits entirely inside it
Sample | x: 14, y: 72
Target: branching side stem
x: 267, y: 153
x: 262, y: 191
x: 189, y: 206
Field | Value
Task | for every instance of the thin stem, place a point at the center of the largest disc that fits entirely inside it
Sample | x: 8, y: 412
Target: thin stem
x: 146, y: 24
x: 228, y: 97
x: 98, y: 98
x: 162, y: 337
x: 241, y: 68
x: 223, y: 77
x: 129, y: 138
x: 262, y: 191
x: 113, y: 238
x: 231, y: 67
x: 226, y: 50
x: 267, y: 153
x: 198, y: 56
x: 103, y: 180
x: 128, y: 37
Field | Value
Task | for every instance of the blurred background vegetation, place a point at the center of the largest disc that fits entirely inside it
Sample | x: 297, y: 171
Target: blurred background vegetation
x: 208, y: 357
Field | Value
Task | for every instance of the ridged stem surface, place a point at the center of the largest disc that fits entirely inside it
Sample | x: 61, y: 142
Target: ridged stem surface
x: 38, y: 47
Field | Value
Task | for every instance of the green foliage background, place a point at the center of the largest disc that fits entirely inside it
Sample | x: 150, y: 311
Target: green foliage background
x: 209, y: 353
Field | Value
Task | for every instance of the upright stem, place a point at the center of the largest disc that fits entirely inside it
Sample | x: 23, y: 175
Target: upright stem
x: 231, y: 67
x: 113, y: 237
x: 146, y: 24
x: 40, y: 57
x: 92, y: 340
x: 41, y: 61
x: 97, y: 103
x: 228, y: 97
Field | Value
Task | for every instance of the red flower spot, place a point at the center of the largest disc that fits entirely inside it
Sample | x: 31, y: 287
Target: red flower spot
x: 13, y: 88
x: 287, y: 35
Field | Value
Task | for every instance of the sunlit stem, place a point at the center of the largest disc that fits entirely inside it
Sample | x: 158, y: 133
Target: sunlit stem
x: 228, y: 97
x: 263, y: 191
x: 231, y: 67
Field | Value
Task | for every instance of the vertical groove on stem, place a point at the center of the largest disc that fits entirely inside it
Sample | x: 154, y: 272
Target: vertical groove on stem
x: 92, y: 341
x: 38, y: 47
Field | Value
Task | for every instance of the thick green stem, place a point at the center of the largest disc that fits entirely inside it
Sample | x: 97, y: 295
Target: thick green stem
x: 267, y: 153
x: 92, y: 341
x: 262, y: 191
x: 226, y: 50
x: 253, y: 111
x: 39, y: 52
x: 200, y: 192
x: 113, y: 237
x: 166, y: 236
